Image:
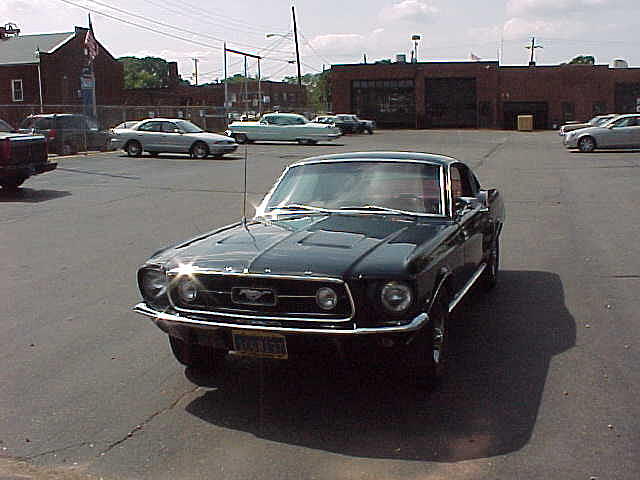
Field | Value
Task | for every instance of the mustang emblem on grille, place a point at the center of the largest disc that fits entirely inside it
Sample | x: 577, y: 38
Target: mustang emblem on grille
x: 253, y: 296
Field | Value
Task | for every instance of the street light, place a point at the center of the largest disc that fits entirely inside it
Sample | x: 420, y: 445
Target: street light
x: 416, y: 39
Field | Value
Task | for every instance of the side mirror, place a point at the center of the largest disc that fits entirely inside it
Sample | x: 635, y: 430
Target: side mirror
x: 610, y: 126
x: 483, y: 199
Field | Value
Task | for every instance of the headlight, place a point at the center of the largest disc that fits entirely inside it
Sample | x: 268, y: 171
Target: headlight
x: 326, y: 298
x: 396, y: 297
x: 187, y: 290
x: 153, y: 285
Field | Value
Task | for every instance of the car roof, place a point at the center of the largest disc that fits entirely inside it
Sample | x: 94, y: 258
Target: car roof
x: 283, y: 114
x: 382, y: 156
x: 51, y: 115
x: 161, y: 119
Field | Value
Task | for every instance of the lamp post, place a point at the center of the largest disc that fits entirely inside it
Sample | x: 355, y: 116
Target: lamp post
x: 416, y: 39
x: 37, y: 55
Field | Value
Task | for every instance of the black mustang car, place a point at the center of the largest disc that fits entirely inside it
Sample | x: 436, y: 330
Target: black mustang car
x: 359, y: 252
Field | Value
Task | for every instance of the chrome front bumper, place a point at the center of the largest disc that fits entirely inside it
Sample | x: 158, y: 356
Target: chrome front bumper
x: 166, y: 321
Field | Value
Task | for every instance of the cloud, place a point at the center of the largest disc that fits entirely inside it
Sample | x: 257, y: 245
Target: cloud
x: 516, y: 28
x: 549, y: 8
x: 340, y: 43
x: 416, y: 11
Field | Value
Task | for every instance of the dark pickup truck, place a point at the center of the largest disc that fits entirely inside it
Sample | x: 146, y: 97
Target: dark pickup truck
x: 21, y: 156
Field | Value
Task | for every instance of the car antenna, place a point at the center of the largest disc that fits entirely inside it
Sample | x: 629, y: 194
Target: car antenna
x: 244, y: 190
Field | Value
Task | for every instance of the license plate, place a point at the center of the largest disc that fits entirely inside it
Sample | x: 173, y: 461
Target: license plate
x: 258, y: 344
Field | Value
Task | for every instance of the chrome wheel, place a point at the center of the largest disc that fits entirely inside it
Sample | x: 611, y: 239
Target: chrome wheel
x: 240, y: 138
x: 134, y: 149
x: 199, y: 151
x: 587, y: 144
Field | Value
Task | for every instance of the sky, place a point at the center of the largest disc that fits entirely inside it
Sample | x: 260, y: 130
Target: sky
x: 341, y: 31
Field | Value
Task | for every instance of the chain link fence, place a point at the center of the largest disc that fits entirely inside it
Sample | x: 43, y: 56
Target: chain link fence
x: 210, y: 118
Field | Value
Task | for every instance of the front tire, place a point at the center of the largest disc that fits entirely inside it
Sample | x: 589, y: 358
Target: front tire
x: 133, y: 149
x: 426, y: 355
x: 12, y: 184
x: 587, y: 144
x: 241, y: 138
x: 490, y: 274
x: 199, y: 151
x: 68, y: 149
x: 200, y: 357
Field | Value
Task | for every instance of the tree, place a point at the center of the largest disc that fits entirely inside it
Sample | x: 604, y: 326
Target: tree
x: 148, y: 72
x: 317, y: 85
x: 583, y: 60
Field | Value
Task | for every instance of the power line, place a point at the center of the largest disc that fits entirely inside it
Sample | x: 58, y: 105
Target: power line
x: 195, y: 42
x: 201, y: 13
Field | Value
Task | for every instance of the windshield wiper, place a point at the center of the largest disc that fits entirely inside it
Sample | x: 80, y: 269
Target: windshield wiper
x: 376, y: 208
x: 299, y: 206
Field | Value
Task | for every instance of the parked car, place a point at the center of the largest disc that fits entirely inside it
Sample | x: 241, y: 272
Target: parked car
x: 125, y: 125
x: 171, y: 135
x: 360, y: 252
x: 67, y: 133
x: 365, y: 125
x: 347, y: 123
x: 288, y: 127
x: 21, y: 156
x: 326, y: 119
x: 622, y: 131
x: 594, y: 122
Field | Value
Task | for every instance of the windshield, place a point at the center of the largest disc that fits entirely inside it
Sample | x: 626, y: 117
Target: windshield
x: 5, y: 127
x: 398, y: 186
x: 188, y: 127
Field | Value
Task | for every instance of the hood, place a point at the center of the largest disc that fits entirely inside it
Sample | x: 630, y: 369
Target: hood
x: 245, y: 124
x: 208, y: 136
x: 339, y: 245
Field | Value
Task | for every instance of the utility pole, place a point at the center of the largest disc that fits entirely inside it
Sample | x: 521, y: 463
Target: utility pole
x: 226, y: 90
x: 364, y: 58
x: 195, y: 74
x: 532, y: 47
x: 295, y: 36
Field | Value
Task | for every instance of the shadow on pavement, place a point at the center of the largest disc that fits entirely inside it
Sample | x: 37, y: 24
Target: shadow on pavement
x: 30, y: 195
x: 502, y: 344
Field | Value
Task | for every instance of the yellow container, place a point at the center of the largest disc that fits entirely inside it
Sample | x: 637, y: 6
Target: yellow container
x: 525, y: 123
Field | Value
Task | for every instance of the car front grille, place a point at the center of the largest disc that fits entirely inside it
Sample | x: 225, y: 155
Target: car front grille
x: 28, y: 150
x: 268, y: 297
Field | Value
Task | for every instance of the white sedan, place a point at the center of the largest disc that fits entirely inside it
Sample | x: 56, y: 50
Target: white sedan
x: 287, y: 127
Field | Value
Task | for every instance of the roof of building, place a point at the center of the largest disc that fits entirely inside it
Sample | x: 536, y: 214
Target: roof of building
x: 21, y: 48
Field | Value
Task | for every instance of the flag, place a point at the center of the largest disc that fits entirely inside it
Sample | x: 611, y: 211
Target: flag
x: 90, y: 44
x: 474, y: 57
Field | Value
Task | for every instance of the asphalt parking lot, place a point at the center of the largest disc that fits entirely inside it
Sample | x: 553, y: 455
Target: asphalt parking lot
x: 543, y: 383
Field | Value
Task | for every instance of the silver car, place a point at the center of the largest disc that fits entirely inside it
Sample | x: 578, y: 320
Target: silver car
x: 594, y: 122
x: 622, y: 131
x: 171, y: 135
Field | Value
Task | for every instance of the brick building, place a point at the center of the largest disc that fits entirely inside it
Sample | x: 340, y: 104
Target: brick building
x: 481, y: 94
x: 62, y: 61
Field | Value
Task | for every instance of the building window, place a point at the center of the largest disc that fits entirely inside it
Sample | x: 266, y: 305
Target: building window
x: 568, y: 112
x: 16, y: 90
x: 599, y: 108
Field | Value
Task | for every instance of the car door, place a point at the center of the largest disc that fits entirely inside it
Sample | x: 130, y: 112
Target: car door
x: 634, y: 133
x: 619, y: 134
x: 471, y: 217
x: 149, y: 135
x: 173, y: 140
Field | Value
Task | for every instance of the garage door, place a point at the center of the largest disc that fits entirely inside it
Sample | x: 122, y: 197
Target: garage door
x: 451, y: 102
x: 539, y: 110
